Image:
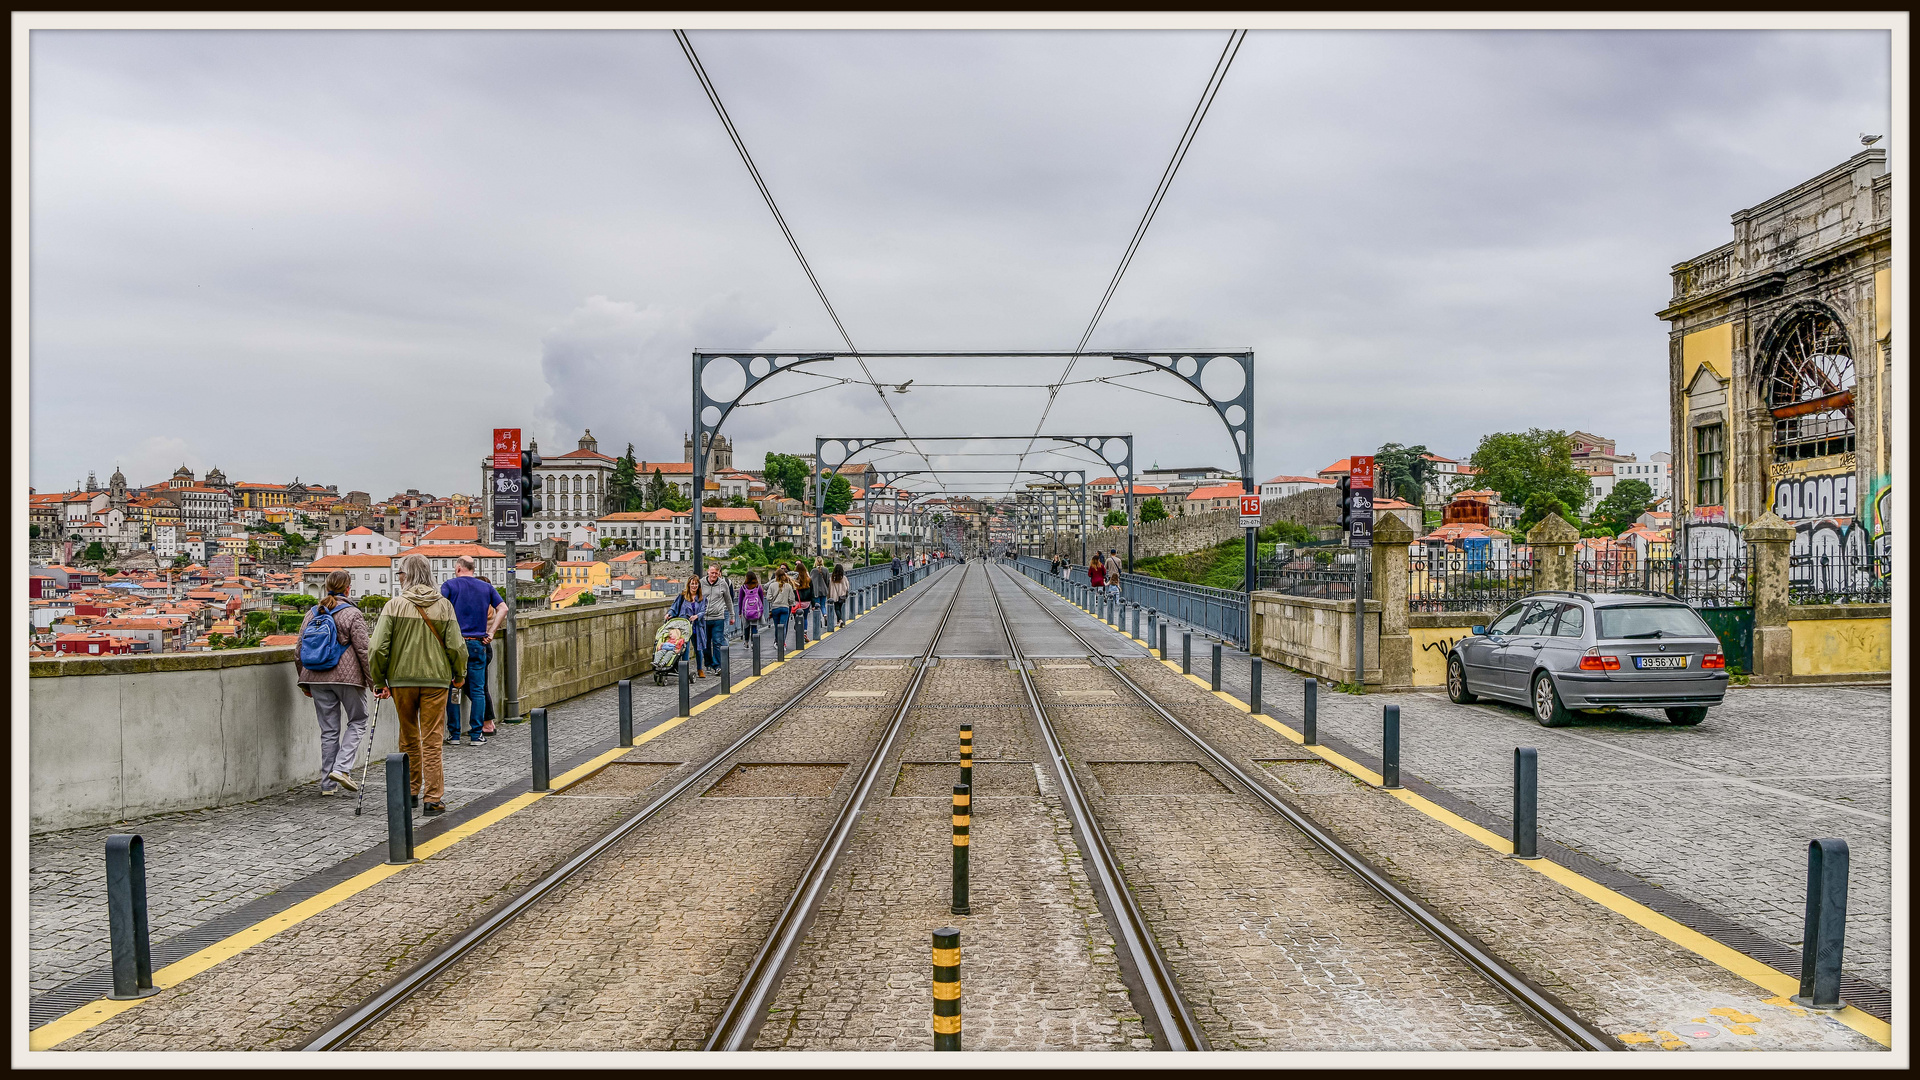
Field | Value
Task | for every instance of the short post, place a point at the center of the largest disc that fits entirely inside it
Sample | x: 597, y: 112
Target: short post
x: 127, y: 917
x: 1310, y: 714
x: 1390, y: 747
x: 1186, y: 652
x: 779, y: 643
x: 1215, y: 678
x: 399, y: 811
x: 962, y: 826
x: 1136, y: 620
x: 1153, y: 621
x: 1254, y: 703
x: 753, y: 647
x: 966, y: 755
x: 726, y: 666
x: 946, y: 988
x: 686, y: 685
x: 1526, y: 802
x: 1825, y: 939
x: 626, y: 712
x: 540, y: 782
x: 1163, y: 641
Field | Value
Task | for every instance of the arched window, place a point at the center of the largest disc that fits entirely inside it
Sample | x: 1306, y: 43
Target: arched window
x: 1809, y: 388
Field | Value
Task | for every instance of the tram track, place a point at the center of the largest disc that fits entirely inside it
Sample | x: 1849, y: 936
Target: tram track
x: 1542, y: 1007
x: 358, y: 1020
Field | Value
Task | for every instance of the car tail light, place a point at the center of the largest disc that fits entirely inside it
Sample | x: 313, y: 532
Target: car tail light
x: 1593, y: 661
x: 1713, y: 660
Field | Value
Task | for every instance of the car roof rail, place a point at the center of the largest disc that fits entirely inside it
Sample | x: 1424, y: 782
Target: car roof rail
x: 1561, y: 592
x: 1647, y: 592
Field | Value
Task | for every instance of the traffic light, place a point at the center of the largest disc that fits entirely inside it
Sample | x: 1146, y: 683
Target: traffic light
x: 1345, y: 487
x: 530, y: 482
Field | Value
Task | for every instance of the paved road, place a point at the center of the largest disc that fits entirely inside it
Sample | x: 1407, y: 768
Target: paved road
x: 1719, y: 813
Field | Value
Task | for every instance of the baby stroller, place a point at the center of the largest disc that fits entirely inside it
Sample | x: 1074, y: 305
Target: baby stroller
x: 669, y: 645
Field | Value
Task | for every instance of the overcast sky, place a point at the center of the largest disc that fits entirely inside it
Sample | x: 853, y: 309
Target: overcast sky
x: 348, y: 255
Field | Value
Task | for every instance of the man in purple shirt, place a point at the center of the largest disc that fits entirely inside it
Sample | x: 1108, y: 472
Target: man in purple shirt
x: 481, y: 611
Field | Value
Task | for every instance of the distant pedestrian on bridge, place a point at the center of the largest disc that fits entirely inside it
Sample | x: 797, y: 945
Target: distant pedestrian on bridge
x: 897, y: 566
x: 753, y: 603
x: 780, y: 600
x: 1097, y: 572
x: 821, y: 580
x: 691, y: 605
x: 837, y: 589
x: 723, y: 602
x: 417, y: 652
x: 339, y: 692
x: 481, y: 611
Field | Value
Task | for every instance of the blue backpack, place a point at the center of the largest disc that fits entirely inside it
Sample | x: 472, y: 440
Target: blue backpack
x: 320, y: 645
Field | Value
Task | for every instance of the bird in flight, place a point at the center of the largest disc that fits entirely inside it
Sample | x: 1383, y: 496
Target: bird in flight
x: 902, y: 388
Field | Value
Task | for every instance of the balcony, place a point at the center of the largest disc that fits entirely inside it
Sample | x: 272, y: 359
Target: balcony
x: 1704, y: 273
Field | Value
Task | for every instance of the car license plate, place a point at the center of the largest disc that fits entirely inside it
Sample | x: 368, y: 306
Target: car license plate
x: 1652, y: 663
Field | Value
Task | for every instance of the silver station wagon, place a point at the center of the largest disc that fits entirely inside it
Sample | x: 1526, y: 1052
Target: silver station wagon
x: 1555, y: 652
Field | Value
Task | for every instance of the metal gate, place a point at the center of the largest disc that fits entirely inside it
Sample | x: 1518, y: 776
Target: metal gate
x: 1734, y: 627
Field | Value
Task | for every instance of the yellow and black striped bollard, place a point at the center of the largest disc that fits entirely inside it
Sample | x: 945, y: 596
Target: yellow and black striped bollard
x: 946, y: 988
x: 962, y: 825
x: 966, y: 754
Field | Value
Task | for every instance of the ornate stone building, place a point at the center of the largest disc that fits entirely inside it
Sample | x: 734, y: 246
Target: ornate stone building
x: 1781, y: 364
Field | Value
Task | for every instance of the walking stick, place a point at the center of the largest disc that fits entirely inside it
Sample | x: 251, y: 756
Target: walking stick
x: 366, y: 758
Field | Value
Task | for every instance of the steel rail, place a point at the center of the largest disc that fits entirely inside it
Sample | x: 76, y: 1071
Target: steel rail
x: 1170, y: 1013
x: 1546, y: 1009
x: 369, y: 1012
x: 746, y: 1011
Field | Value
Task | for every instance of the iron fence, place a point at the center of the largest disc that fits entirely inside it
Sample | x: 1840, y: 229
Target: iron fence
x: 1652, y: 575
x: 1847, y: 578
x: 1220, y: 612
x: 1713, y: 582
x: 1466, y: 580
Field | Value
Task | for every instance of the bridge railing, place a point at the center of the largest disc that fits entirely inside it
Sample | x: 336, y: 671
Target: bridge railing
x: 1221, y: 612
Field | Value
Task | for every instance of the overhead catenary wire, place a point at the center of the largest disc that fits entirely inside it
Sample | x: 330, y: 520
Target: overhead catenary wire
x: 1199, y: 116
x: 753, y: 170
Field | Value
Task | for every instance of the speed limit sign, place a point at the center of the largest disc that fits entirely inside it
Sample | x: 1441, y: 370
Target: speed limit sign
x: 1250, y: 511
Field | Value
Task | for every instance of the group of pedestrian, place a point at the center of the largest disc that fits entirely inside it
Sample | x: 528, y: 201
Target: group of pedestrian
x: 426, y: 644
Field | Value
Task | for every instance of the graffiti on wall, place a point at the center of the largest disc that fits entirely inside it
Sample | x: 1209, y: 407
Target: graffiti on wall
x: 1880, y: 514
x: 1819, y: 497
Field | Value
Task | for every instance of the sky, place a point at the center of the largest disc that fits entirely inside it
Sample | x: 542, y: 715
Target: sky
x: 347, y: 256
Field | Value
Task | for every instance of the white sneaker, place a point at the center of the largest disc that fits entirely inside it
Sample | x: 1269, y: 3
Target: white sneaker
x: 343, y: 780
x: 329, y: 791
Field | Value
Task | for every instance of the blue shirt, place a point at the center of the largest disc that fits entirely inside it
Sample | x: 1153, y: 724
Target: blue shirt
x: 472, y: 598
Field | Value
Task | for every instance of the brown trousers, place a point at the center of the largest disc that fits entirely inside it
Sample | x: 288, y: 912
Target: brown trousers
x: 423, y: 712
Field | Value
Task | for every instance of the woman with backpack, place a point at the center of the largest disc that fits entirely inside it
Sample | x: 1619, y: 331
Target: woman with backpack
x: 331, y: 666
x: 690, y: 605
x: 753, y: 604
x: 837, y: 592
x: 779, y: 601
x: 802, y: 595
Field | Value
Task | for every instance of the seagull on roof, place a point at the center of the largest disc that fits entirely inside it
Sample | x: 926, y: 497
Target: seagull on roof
x: 1869, y: 140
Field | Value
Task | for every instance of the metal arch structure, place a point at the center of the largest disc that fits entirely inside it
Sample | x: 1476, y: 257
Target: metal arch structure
x: 1230, y: 371
x: 1062, y: 477
x: 1119, y: 458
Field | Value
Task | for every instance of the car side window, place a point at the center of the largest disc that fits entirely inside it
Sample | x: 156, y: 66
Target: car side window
x: 1538, y: 620
x: 1509, y: 619
x: 1573, y: 621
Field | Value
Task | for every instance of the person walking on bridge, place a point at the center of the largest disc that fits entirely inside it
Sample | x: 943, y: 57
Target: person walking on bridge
x: 481, y: 611
x: 1097, y: 572
x: 780, y: 604
x: 722, y: 603
x: 339, y: 692
x: 837, y: 588
x: 822, y: 581
x: 417, y: 652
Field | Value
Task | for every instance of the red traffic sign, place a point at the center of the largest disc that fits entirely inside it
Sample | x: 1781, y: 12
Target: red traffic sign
x: 506, y: 448
x: 1361, y: 475
x: 1250, y: 510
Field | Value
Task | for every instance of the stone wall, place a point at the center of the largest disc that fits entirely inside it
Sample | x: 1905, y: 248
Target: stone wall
x: 566, y: 653
x: 1314, y: 635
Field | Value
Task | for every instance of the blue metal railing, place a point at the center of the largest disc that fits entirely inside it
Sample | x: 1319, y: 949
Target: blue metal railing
x: 1220, y: 612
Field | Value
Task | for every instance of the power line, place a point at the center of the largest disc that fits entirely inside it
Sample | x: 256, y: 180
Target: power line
x: 1192, y: 130
x: 753, y: 170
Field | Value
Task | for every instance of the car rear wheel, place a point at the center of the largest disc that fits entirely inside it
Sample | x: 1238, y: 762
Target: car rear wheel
x: 1457, y: 691
x: 1546, y: 703
x: 1688, y: 716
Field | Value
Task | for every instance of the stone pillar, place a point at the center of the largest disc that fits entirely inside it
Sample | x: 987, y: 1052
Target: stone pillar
x: 1768, y: 540
x: 1390, y: 539
x: 1552, y: 541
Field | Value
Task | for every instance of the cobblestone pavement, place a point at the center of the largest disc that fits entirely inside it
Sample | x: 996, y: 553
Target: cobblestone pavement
x: 1039, y: 967
x: 203, y: 863
x: 1720, y: 813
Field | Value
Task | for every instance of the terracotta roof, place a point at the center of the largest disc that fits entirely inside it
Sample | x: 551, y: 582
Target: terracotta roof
x: 278, y: 640
x: 347, y: 562
x: 1298, y: 480
x: 361, y: 531
x: 638, y: 515
x: 1221, y: 491
x: 587, y: 455
x: 452, y: 551
x: 645, y: 469
x: 729, y: 513
x: 445, y: 533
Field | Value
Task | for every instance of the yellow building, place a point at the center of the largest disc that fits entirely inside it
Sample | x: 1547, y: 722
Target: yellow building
x: 591, y: 575
x: 566, y: 596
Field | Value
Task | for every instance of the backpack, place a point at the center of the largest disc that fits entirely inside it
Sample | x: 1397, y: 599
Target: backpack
x: 750, y: 604
x: 320, y: 644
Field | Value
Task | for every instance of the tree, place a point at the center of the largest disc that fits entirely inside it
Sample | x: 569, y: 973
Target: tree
x: 1153, y: 510
x: 584, y: 599
x: 1288, y: 532
x: 94, y: 553
x: 623, y: 490
x: 659, y: 494
x: 839, y: 495
x: 371, y: 604
x: 789, y: 472
x: 712, y: 500
x: 736, y: 500
x: 1538, y: 506
x: 33, y: 532
x: 1401, y: 472
x: 1519, y: 466
x: 296, y: 601
x: 1115, y: 519
x: 1626, y: 502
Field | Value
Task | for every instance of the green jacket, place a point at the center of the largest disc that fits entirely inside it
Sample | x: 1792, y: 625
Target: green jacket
x: 417, y: 641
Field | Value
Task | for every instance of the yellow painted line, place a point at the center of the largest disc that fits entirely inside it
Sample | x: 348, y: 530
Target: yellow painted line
x: 1762, y: 975
x: 92, y: 1015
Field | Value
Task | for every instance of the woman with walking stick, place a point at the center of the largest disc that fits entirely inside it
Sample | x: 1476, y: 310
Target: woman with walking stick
x: 331, y: 667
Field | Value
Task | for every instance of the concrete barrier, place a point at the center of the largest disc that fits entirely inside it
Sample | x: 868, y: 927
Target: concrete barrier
x: 1841, y: 642
x: 568, y: 652
x: 1314, y: 635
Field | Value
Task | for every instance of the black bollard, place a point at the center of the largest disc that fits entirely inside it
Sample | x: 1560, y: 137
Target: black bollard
x: 1136, y: 620
x: 399, y: 812
x: 1153, y: 623
x: 753, y: 647
x: 946, y: 988
x: 966, y: 755
x: 1254, y: 705
x: 127, y: 917
x: 626, y: 712
x: 779, y: 643
x: 726, y: 667
x: 1825, y: 937
x: 1310, y: 714
x: 1215, y: 677
x: 1186, y: 652
x: 1526, y: 802
x: 962, y: 827
x: 1390, y: 747
x: 686, y: 683
x: 1163, y: 641
x: 540, y: 782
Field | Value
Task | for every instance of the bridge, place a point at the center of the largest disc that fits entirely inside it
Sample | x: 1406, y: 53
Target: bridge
x: 1138, y: 847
